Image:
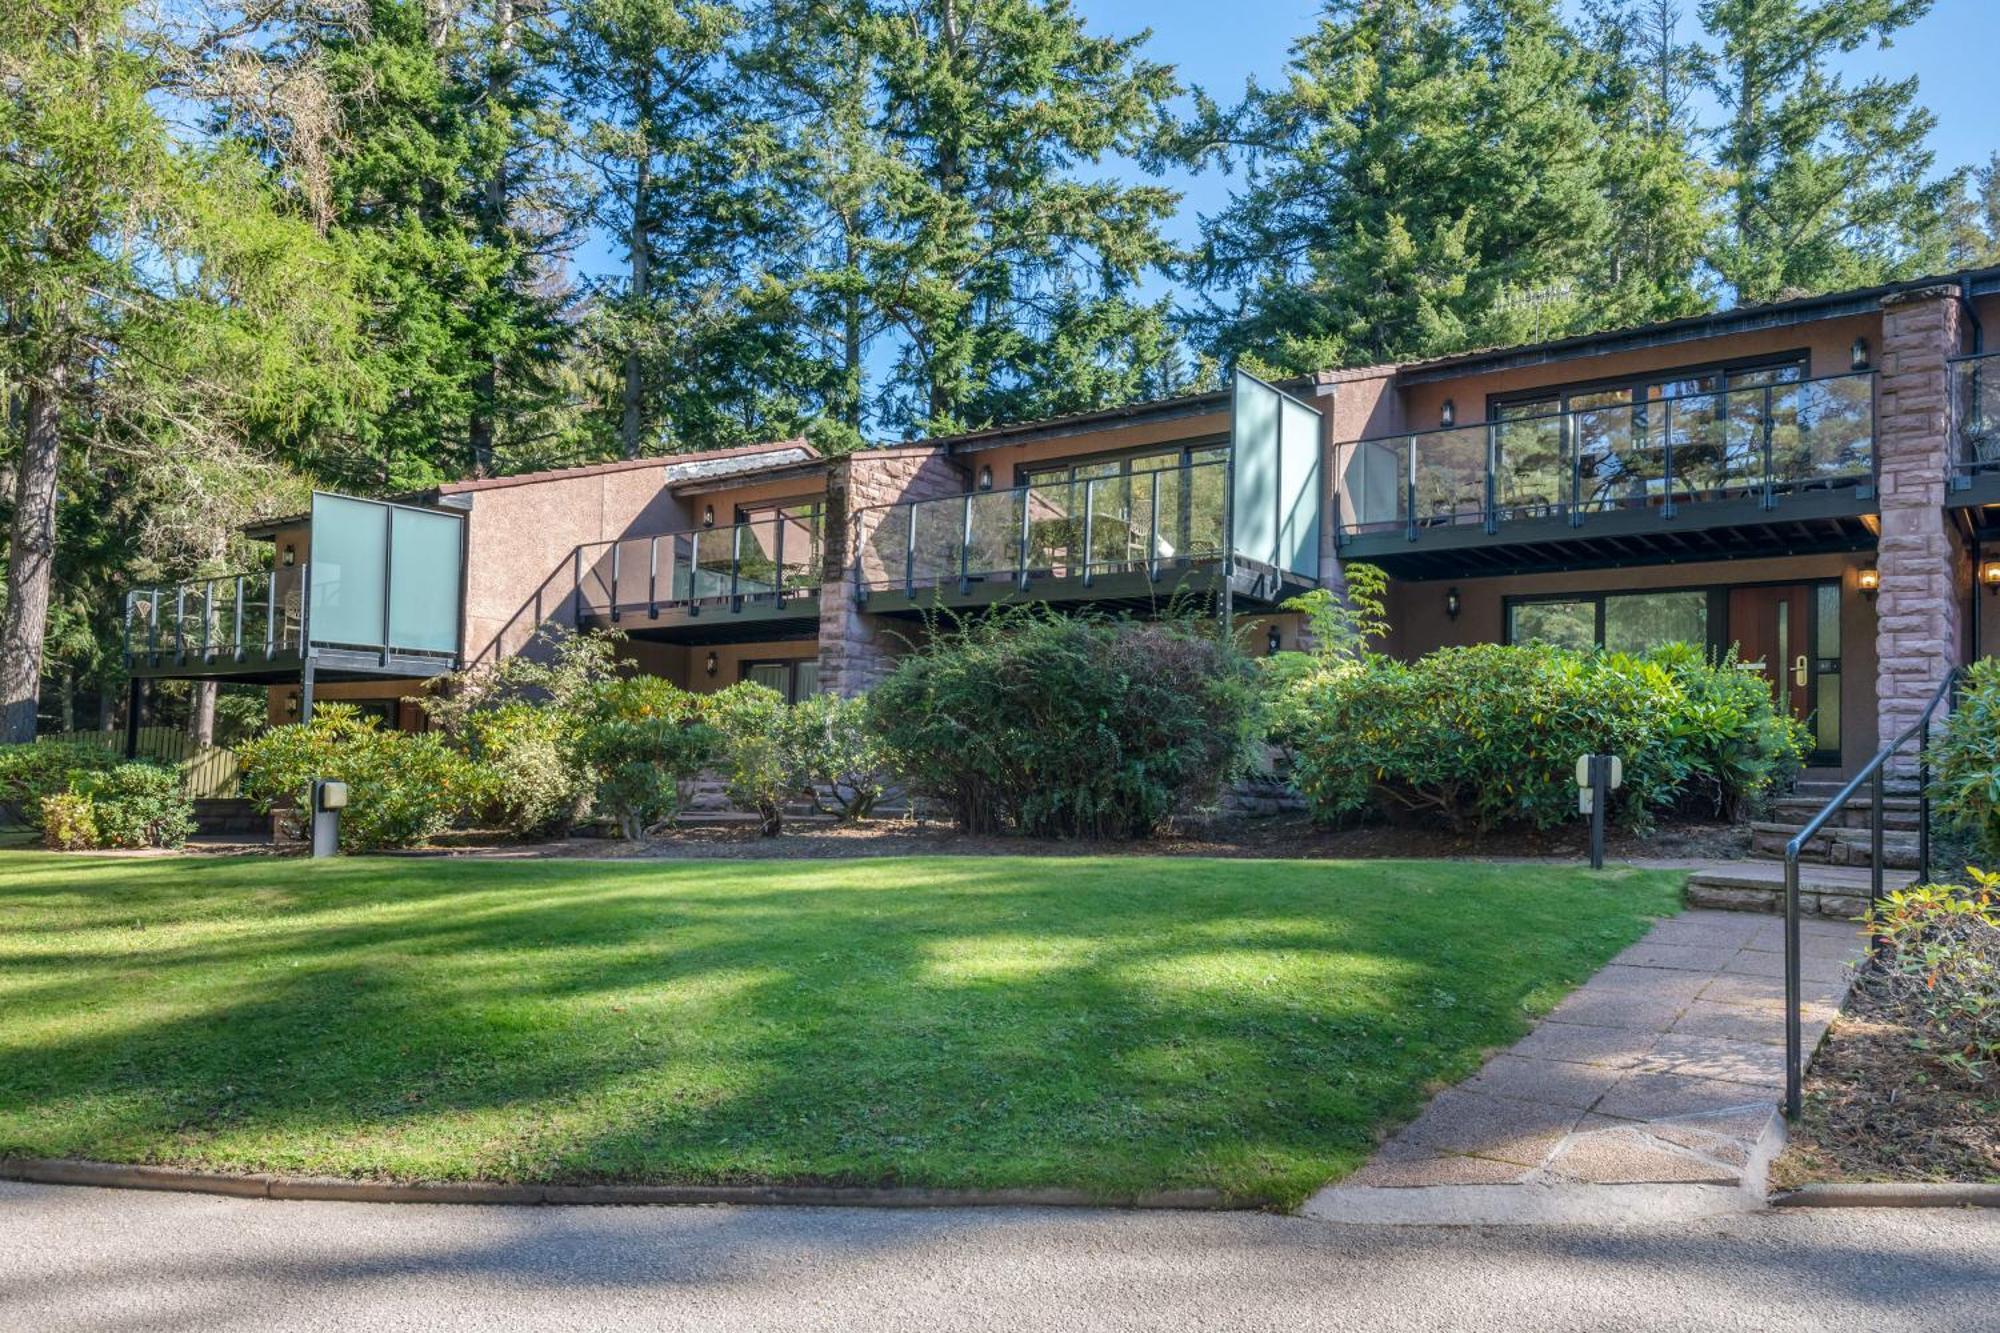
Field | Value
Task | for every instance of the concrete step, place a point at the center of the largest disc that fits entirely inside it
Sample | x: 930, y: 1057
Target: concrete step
x: 1834, y: 846
x: 1759, y: 886
x: 1898, y: 812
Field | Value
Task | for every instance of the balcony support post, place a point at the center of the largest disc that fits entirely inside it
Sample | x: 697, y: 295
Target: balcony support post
x: 1153, y: 533
x: 1770, y: 500
x: 614, y: 580
x: 965, y: 548
x: 1492, y: 511
x: 1089, y: 527
x: 1667, y: 507
x: 736, y: 567
x: 778, y: 554
x: 1027, y: 494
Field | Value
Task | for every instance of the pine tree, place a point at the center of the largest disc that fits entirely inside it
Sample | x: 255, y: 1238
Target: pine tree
x: 1975, y: 219
x: 1829, y: 184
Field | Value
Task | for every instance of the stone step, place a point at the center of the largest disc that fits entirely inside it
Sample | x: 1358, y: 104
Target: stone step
x: 1834, y: 846
x: 1898, y: 812
x: 1759, y: 886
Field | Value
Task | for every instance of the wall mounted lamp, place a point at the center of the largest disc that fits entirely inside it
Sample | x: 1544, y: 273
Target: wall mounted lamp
x: 291, y: 705
x: 986, y: 477
x: 1857, y: 355
x: 710, y: 665
x: 1989, y: 576
x: 1274, y: 639
x: 1869, y: 580
x: 290, y: 556
x: 1448, y: 414
x: 1452, y: 606
x: 708, y: 516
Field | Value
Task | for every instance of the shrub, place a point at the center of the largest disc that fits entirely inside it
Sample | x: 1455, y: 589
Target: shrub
x: 69, y: 822
x: 530, y: 786
x: 761, y: 774
x: 836, y: 756
x: 1487, y: 736
x: 1940, y: 960
x: 1730, y: 742
x: 138, y: 805
x: 1478, y: 737
x: 1068, y: 726
x: 1965, y: 759
x: 641, y: 737
x: 404, y: 787
x: 39, y: 769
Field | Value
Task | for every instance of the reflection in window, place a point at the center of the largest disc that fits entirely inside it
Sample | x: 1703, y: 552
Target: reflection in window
x: 1564, y: 624
x: 1643, y: 621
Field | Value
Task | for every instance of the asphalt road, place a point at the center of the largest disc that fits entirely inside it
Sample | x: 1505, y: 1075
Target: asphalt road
x: 106, y: 1259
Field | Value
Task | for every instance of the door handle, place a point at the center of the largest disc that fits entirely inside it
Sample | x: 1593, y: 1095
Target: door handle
x: 1799, y: 672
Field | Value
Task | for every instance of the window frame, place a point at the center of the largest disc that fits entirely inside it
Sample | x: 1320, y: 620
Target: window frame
x: 1556, y: 396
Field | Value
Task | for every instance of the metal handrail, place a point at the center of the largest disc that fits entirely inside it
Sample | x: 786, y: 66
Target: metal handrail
x: 1484, y: 441
x: 1872, y: 772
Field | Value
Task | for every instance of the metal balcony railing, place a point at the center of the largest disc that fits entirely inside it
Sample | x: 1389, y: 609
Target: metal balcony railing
x: 774, y: 557
x: 234, y: 617
x: 1141, y: 520
x: 1759, y: 443
x: 1975, y: 404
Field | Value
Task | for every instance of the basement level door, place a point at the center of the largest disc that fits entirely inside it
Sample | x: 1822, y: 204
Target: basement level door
x: 1790, y: 634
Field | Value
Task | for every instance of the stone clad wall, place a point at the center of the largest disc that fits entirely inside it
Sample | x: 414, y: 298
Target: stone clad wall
x: 1925, y: 573
x: 856, y: 649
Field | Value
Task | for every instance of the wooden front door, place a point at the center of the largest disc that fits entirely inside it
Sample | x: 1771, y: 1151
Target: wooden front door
x: 1770, y: 631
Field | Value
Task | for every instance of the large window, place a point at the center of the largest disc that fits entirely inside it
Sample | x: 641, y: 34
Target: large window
x: 795, y: 680
x: 1623, y: 622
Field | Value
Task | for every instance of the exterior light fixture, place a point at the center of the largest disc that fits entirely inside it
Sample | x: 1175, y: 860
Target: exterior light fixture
x: 1869, y: 580
x: 708, y: 516
x: 1448, y: 414
x: 710, y: 665
x: 1989, y: 576
x: 1857, y: 355
x: 1452, y: 606
x: 986, y: 477
x: 1274, y: 639
x: 291, y: 705
x: 290, y: 556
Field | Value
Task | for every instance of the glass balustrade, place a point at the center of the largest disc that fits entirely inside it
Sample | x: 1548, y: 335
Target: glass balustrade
x: 769, y: 558
x: 1123, y: 522
x: 234, y: 617
x: 1975, y: 394
x: 1610, y: 453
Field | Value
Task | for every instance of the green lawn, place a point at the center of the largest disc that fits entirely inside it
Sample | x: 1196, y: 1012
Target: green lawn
x: 1115, y: 1023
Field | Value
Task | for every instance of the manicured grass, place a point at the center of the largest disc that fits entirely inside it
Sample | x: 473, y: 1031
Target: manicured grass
x: 1115, y: 1023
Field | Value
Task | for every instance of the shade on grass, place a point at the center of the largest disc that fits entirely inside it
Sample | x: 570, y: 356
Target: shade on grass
x: 1115, y: 1023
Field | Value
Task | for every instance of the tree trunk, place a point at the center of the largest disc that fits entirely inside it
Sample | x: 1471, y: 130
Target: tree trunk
x: 201, y: 714
x: 642, y: 248
x: 31, y: 562
x: 486, y: 381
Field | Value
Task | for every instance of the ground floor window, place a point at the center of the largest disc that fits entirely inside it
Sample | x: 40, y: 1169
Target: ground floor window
x: 795, y: 680
x: 1622, y: 622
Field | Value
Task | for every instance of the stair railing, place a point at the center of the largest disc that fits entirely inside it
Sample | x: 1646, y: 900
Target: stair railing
x: 1873, y: 774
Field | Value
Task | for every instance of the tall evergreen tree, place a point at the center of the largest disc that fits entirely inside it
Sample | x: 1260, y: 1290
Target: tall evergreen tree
x: 955, y: 218
x: 1830, y: 184
x: 1429, y: 176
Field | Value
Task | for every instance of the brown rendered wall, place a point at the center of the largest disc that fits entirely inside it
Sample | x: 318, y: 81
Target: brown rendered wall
x: 686, y: 665
x: 1419, y: 623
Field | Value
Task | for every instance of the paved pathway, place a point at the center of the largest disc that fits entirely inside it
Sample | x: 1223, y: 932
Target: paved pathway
x: 1663, y: 1070
x: 85, y: 1260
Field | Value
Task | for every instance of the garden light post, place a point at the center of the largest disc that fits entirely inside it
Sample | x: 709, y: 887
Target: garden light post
x: 1597, y: 775
x: 329, y: 798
